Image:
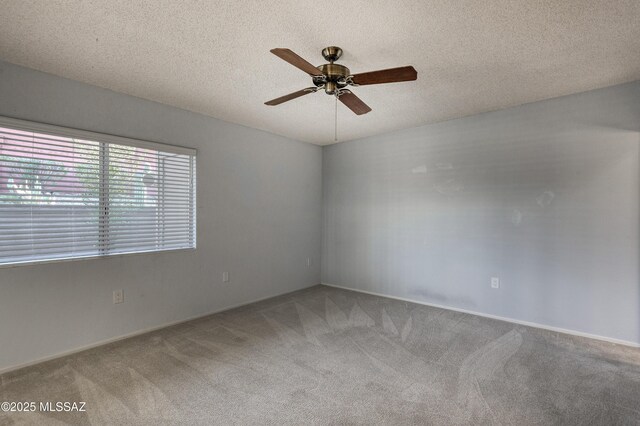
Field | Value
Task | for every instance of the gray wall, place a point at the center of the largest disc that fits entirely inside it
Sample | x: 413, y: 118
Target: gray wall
x: 544, y: 196
x: 259, y: 217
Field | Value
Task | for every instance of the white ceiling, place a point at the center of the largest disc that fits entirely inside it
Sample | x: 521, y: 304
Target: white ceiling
x: 213, y: 57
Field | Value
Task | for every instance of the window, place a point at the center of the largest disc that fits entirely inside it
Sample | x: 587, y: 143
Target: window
x: 68, y: 194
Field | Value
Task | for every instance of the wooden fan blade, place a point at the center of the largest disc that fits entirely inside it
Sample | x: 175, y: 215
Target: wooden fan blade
x: 296, y: 61
x: 391, y: 75
x: 285, y: 98
x: 353, y: 102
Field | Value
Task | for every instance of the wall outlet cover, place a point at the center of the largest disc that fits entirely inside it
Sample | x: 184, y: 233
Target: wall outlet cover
x: 495, y: 282
x: 118, y: 296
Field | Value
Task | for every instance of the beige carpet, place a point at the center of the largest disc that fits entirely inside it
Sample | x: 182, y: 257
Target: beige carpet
x: 329, y: 356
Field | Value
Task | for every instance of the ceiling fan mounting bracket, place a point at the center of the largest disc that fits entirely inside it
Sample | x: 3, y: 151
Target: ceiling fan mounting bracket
x: 331, y: 53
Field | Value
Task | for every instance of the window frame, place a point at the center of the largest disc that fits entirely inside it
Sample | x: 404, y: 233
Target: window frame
x: 105, y: 138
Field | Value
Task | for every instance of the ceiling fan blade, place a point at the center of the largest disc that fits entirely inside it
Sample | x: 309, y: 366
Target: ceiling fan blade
x: 391, y: 75
x: 285, y: 98
x: 353, y: 102
x: 296, y: 61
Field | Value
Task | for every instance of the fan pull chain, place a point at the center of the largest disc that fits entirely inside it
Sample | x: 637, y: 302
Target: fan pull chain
x: 335, y: 135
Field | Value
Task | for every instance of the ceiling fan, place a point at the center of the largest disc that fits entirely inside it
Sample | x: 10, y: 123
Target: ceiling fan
x: 335, y: 78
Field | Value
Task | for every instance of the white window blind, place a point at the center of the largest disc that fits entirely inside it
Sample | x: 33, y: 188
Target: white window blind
x: 66, y: 194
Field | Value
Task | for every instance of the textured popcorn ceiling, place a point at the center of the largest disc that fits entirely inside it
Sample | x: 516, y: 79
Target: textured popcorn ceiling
x: 213, y: 57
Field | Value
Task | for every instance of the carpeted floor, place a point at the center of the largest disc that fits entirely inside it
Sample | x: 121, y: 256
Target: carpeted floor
x: 330, y: 356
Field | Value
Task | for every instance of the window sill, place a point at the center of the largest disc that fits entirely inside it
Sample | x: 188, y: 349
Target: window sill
x: 93, y: 257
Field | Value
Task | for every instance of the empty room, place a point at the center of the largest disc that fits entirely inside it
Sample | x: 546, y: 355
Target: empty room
x: 291, y: 212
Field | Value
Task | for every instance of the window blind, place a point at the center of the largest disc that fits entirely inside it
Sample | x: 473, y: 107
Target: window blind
x: 67, y: 194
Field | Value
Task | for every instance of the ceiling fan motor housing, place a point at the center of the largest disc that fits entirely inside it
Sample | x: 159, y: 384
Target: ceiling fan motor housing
x: 334, y: 76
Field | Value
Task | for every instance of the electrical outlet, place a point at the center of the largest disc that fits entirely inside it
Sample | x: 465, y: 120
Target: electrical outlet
x: 225, y: 277
x: 118, y: 296
x: 495, y: 282
x: 308, y: 261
